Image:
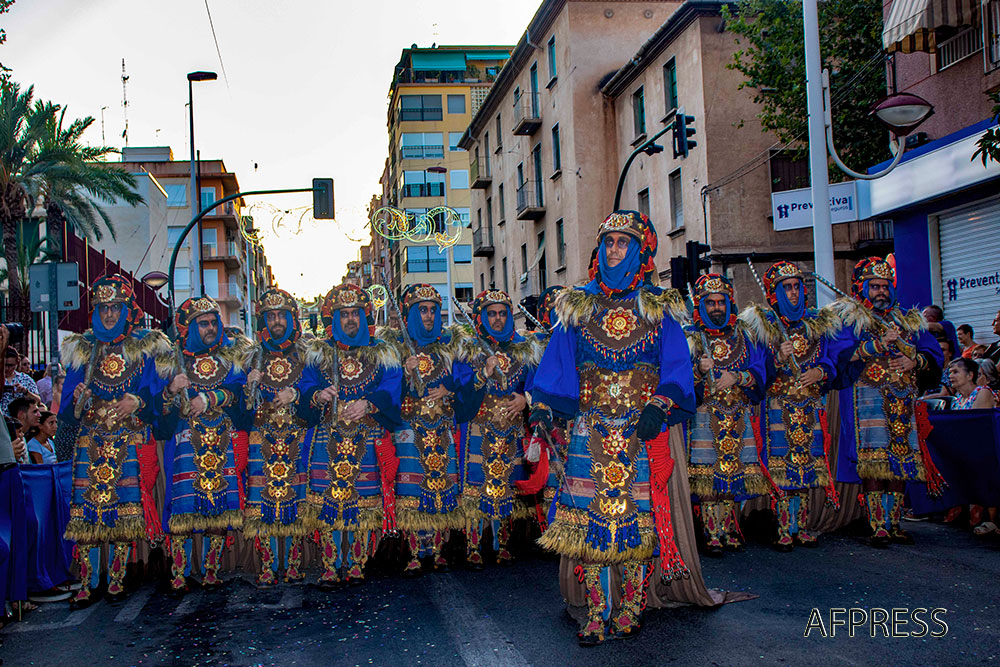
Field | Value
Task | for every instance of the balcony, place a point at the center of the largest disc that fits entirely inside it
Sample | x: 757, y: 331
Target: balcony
x: 423, y: 190
x: 482, y: 242
x: 959, y: 47
x: 228, y: 253
x: 480, y: 174
x: 527, y: 114
x: 872, y: 235
x: 991, y: 23
x: 422, y: 152
x: 530, y: 205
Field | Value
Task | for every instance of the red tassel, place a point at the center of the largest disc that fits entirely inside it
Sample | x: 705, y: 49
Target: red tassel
x: 230, y: 541
x: 149, y: 468
x: 388, y: 464
x: 578, y: 571
x: 755, y: 422
x: 661, y: 466
x: 935, y: 482
x: 536, y: 480
x: 832, y: 497
x: 316, y: 537
x: 241, y: 452
x: 256, y: 543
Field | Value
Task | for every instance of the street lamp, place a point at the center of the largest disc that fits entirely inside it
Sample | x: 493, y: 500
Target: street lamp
x: 450, y: 254
x: 196, y: 281
x: 155, y: 279
x: 901, y: 113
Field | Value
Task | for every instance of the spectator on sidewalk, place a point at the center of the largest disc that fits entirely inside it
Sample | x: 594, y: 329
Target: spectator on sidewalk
x: 44, y: 385
x: 940, y: 327
x: 16, y: 383
x: 966, y: 340
x: 993, y: 349
x: 40, y: 447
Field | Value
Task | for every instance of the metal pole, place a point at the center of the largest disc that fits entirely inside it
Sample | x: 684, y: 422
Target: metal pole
x: 449, y: 257
x: 196, y: 286
x: 251, y: 253
x: 819, y: 176
x: 53, y: 321
x: 632, y: 157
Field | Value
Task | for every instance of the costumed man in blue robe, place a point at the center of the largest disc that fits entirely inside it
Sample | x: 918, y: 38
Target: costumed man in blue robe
x: 724, y: 465
x: 617, y: 365
x: 796, y: 340
x: 885, y: 356
x: 116, y: 376
x: 204, y: 495
x: 277, y: 465
x: 427, y: 483
x: 492, y: 450
x: 353, y: 464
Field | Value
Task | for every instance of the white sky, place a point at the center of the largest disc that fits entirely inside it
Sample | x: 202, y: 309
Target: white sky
x: 307, y: 93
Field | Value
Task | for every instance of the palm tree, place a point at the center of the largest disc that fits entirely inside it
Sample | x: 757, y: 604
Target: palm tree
x: 73, y: 191
x: 43, y: 162
x: 31, y: 249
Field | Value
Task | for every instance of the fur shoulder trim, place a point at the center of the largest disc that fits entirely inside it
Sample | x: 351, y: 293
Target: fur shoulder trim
x: 75, y: 352
x: 852, y: 313
x: 238, y: 352
x: 156, y: 345
x: 574, y: 306
x: 528, y: 352
x: 461, y: 344
x: 656, y: 305
x: 760, y: 325
x: 383, y: 353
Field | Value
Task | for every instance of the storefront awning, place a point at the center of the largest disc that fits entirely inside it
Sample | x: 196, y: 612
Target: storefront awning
x: 912, y: 25
x: 439, y: 61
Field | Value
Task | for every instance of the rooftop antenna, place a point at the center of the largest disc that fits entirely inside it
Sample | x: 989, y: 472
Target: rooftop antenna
x: 125, y: 101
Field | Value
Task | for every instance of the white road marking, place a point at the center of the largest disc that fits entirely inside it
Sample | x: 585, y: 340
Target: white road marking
x: 75, y: 618
x: 478, y: 640
x: 188, y: 604
x: 134, y: 605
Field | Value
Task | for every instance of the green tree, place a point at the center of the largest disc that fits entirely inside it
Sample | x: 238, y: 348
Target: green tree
x: 771, y: 57
x: 5, y: 6
x: 31, y: 249
x: 44, y: 162
x: 988, y: 146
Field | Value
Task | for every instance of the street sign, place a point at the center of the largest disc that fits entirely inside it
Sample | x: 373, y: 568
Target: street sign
x: 792, y: 209
x: 65, y: 292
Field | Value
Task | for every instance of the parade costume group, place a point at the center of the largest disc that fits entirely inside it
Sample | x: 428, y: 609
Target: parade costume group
x: 431, y: 435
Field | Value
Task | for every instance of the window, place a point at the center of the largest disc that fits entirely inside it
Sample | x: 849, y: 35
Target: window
x: 421, y: 145
x: 639, y: 112
x: 644, y: 202
x: 489, y: 211
x: 453, y: 139
x: 536, y: 156
x: 465, y: 215
x: 524, y: 257
x: 552, y: 57
x: 209, y: 242
x: 182, y: 280
x: 500, y: 211
x: 459, y: 179
x: 174, y: 233
x: 533, y: 76
x: 479, y: 218
x: 670, y: 84
x: 208, y: 198
x: 482, y: 282
x: 463, y: 254
x: 560, y: 243
x: 676, y: 201
x: 422, y: 184
x: 542, y: 279
x: 456, y: 104
x: 556, y: 149
x: 499, y: 135
x: 425, y: 259
x: 486, y: 151
x: 463, y: 292
x: 176, y: 195
x: 211, y: 282
x: 493, y: 277
x: 420, y: 107
x: 506, y: 287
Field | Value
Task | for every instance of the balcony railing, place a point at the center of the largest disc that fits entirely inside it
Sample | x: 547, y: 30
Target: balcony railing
x: 423, y: 190
x: 468, y: 75
x: 527, y: 114
x: 991, y: 24
x: 530, y: 205
x: 959, y: 47
x: 869, y: 235
x: 421, y: 152
x: 482, y: 241
x: 427, y: 265
x: 480, y: 172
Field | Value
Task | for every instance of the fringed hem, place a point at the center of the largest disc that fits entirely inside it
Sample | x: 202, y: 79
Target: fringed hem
x: 367, y: 519
x: 571, y: 541
x: 411, y: 519
x: 256, y: 528
x: 472, y: 507
x: 751, y: 484
x: 125, y: 529
x: 883, y: 470
x: 185, y: 524
x: 816, y: 479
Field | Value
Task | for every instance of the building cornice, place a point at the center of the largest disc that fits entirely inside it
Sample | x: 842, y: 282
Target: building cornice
x: 678, y: 22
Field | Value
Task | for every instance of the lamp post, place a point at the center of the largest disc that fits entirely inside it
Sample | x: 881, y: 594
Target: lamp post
x: 450, y: 254
x: 901, y: 113
x: 155, y: 280
x: 197, y: 287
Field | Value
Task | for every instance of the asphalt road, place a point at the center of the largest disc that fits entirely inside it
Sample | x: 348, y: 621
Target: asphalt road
x: 514, y: 615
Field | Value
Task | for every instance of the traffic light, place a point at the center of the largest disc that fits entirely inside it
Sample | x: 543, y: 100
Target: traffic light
x: 683, y: 133
x: 679, y: 273
x: 695, y: 262
x: 313, y: 321
x: 323, y: 198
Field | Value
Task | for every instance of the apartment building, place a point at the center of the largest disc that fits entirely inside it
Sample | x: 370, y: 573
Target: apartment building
x: 434, y: 93
x: 233, y: 271
x: 540, y: 145
x: 942, y: 203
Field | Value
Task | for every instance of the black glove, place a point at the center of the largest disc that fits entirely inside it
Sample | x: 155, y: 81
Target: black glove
x: 650, y: 422
x: 540, y: 416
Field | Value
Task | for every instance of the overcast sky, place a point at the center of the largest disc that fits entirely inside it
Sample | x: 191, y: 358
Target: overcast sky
x: 306, y: 94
